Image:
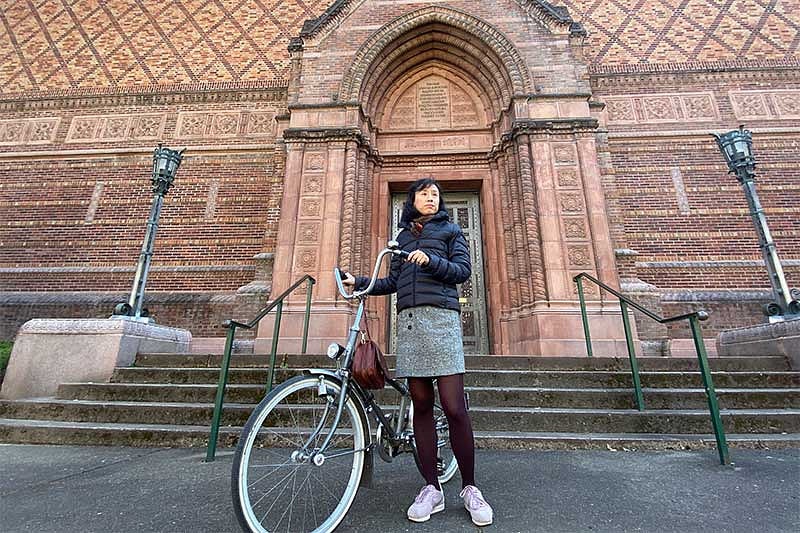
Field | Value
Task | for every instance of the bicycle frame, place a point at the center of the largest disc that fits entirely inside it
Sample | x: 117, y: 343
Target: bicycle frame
x: 343, y: 372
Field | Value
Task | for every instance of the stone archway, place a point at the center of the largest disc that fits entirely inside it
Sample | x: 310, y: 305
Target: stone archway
x: 355, y: 83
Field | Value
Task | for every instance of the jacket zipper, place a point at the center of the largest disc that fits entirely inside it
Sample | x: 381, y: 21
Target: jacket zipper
x: 414, y: 286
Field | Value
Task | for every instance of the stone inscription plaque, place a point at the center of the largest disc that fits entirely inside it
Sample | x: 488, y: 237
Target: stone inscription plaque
x: 433, y: 103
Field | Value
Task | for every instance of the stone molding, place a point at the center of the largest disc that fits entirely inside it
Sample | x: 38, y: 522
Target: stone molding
x: 208, y: 93
x: 703, y: 68
x: 713, y: 264
x: 115, y: 269
x: 689, y: 295
x: 554, y: 18
x: 109, y: 298
x: 549, y: 16
x: 777, y: 338
x: 85, y: 326
x: 324, y: 135
x: 533, y: 127
x: 372, y: 47
x: 787, y: 328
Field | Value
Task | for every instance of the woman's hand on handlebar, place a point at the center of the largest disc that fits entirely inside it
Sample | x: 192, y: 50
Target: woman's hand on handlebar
x: 348, y: 279
x: 418, y: 257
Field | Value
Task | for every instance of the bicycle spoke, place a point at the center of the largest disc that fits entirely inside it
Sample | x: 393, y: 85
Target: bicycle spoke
x: 321, y: 484
x: 287, y: 476
x: 278, y: 497
x: 284, y: 437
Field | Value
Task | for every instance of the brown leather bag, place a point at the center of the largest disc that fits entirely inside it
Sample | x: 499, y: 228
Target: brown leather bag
x: 369, y: 364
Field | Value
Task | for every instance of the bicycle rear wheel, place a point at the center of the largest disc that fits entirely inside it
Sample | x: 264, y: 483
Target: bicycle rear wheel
x: 275, y: 483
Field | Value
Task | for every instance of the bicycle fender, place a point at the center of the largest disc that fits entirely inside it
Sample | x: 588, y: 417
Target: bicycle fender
x: 369, y: 458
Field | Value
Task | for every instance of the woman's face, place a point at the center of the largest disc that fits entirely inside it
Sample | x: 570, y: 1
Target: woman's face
x: 426, y: 201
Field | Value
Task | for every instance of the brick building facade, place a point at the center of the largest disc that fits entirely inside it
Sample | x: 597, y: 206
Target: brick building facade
x: 581, y: 126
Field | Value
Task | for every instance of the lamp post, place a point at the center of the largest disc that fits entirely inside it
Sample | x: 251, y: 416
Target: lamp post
x: 165, y: 165
x: 737, y: 147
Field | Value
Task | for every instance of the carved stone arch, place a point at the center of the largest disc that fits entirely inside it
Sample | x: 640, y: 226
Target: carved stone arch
x: 514, y: 63
x: 435, y: 46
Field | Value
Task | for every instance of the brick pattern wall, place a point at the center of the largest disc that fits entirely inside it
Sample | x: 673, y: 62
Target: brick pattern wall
x: 201, y: 313
x: 681, y: 211
x: 50, y: 46
x: 221, y: 211
x: 46, y: 46
x: 88, y: 88
x: 641, y: 35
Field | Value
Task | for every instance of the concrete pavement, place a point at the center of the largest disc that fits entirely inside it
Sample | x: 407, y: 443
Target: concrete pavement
x: 94, y: 489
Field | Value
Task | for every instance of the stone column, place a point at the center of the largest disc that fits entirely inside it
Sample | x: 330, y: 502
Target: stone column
x: 310, y: 237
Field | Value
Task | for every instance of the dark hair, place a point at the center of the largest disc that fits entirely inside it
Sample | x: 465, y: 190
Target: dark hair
x: 409, y: 211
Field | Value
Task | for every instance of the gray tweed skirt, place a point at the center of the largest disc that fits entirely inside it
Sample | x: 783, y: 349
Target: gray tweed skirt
x: 429, y: 342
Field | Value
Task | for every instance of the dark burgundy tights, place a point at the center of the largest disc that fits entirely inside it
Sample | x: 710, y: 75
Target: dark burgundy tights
x: 451, y: 395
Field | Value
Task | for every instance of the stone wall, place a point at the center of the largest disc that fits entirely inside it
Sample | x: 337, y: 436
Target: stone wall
x: 201, y: 313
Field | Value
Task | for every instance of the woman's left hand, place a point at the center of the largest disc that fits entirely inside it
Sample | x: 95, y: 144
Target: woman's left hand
x: 418, y: 257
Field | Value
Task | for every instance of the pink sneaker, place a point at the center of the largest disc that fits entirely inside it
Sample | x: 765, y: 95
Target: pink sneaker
x: 480, y: 511
x: 429, y: 501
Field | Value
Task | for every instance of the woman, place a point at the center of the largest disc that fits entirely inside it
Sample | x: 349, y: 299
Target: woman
x: 429, y: 341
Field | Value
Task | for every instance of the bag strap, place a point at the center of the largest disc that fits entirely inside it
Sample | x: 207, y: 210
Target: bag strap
x: 366, y: 327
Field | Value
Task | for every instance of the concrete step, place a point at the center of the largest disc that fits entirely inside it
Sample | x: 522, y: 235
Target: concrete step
x: 28, y: 431
x: 484, y: 418
x: 481, y: 362
x: 488, y: 378
x: 655, y: 398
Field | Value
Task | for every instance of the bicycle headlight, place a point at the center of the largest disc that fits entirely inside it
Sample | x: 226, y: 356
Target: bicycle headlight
x: 335, y: 350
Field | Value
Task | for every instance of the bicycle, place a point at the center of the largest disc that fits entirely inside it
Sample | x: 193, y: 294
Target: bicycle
x: 308, y: 445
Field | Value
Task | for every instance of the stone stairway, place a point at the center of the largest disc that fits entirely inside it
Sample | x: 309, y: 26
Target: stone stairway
x: 515, y: 402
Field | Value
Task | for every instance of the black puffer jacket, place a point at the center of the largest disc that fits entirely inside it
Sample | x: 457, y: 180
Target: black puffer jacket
x: 435, y: 283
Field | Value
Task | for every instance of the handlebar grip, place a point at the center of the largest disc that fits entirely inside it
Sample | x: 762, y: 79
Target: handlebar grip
x: 403, y: 254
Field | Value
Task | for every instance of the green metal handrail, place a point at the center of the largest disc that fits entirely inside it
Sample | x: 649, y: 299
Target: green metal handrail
x: 694, y: 324
x: 231, y: 326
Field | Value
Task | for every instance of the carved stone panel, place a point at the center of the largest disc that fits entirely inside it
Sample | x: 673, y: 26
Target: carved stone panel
x: 433, y: 103
x: 571, y: 203
x: 306, y: 260
x: 765, y: 105
x: 564, y: 154
x: 260, y: 124
x: 579, y: 256
x: 28, y: 131
x: 225, y: 124
x: 662, y: 107
x: 115, y: 128
x: 312, y: 183
x: 204, y: 124
x: 308, y: 232
x: 575, y: 228
x: 568, y: 177
x: 315, y: 161
x: 310, y: 207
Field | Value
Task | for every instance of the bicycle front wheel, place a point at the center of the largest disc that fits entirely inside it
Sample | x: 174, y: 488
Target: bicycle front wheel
x: 276, y: 483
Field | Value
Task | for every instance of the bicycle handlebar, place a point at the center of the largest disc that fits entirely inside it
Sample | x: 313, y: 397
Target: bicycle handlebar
x: 391, y: 248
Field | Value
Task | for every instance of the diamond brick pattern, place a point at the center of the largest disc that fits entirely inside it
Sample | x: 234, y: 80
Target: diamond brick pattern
x: 50, y: 45
x: 630, y: 32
